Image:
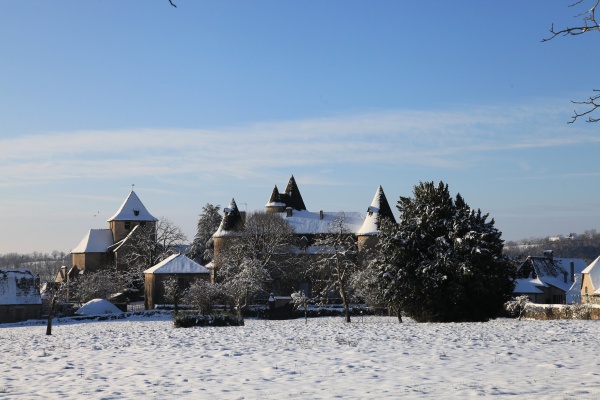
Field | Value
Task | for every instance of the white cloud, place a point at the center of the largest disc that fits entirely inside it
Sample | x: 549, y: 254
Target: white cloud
x: 396, y: 137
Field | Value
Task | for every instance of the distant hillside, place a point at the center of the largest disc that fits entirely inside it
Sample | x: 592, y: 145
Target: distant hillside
x: 585, y: 246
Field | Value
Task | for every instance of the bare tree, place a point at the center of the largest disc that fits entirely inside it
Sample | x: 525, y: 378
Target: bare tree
x: 588, y: 24
x: 259, y: 259
x: 146, y: 248
x: 203, y: 295
x: 93, y: 285
x: 338, y: 261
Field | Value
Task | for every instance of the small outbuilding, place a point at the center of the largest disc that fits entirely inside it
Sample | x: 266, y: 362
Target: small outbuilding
x: 20, y: 298
x: 177, y: 266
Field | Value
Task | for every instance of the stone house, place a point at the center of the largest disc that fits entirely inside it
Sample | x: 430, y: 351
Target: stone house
x: 590, y: 282
x: 20, y: 298
x: 178, y: 267
x: 549, y: 280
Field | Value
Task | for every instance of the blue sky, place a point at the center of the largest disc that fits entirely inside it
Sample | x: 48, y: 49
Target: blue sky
x: 219, y: 99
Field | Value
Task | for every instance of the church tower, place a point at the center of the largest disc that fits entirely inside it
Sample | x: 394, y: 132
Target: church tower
x: 131, y: 213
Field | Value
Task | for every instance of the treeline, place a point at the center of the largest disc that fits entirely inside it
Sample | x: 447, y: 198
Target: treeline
x: 46, y: 265
x: 585, y: 246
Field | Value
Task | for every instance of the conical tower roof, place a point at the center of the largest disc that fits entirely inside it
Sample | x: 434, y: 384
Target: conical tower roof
x: 292, y: 197
x: 377, y: 211
x: 275, y: 198
x: 232, y: 220
x: 132, y: 209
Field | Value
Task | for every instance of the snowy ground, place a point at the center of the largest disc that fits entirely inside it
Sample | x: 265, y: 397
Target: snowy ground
x: 374, y: 357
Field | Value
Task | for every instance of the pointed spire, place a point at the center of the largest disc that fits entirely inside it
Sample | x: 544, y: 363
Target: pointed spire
x: 132, y: 209
x: 377, y: 211
x: 232, y: 219
x: 384, y: 209
x: 292, y: 197
x: 275, y: 197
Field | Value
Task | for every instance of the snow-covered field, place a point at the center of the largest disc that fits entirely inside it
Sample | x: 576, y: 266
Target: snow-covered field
x: 373, y: 358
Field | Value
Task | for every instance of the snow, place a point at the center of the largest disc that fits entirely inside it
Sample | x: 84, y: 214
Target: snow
x: 594, y: 273
x: 18, y: 286
x: 374, y: 357
x: 369, y: 226
x: 95, y: 241
x: 98, y: 307
x: 132, y: 209
x: 310, y: 223
x: 177, y: 264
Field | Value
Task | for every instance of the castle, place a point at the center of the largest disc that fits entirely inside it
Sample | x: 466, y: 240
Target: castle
x: 308, y: 226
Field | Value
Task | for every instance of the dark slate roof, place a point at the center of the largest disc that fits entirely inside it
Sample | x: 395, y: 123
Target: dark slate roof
x: 292, y: 197
x: 232, y: 220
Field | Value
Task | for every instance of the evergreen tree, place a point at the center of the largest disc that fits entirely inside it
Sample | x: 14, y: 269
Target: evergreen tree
x: 444, y: 261
x: 201, y: 249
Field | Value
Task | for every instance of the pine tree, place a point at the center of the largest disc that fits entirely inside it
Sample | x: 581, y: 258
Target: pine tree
x: 444, y: 261
x: 201, y: 249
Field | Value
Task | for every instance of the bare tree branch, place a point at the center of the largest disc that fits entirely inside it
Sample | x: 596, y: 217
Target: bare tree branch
x: 589, y: 24
x: 593, y: 102
x: 173, y: 4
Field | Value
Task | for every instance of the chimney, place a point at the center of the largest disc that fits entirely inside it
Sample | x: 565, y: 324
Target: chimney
x: 549, y: 254
x: 572, y: 271
x: 321, y: 214
x: 289, y: 211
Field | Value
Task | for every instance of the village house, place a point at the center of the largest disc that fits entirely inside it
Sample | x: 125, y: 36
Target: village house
x: 590, y: 283
x: 102, y: 249
x: 20, y: 298
x: 178, y: 267
x: 549, y: 280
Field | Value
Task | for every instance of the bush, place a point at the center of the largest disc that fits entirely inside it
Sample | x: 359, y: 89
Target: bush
x: 185, y: 320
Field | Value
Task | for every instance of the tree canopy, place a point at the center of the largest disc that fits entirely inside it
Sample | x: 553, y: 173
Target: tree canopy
x: 444, y: 261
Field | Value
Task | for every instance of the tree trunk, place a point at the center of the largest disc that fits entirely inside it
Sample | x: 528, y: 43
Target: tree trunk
x: 50, y: 316
x: 345, y: 303
x: 399, y: 315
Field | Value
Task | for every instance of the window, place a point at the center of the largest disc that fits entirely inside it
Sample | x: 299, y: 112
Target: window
x: 127, y: 224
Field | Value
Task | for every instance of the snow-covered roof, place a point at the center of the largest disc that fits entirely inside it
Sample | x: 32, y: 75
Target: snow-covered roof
x: 132, y: 209
x: 378, y: 209
x: 593, y: 270
x: 232, y: 221
x: 310, y: 223
x: 95, y: 241
x: 177, y: 264
x: 18, y: 286
x: 528, y: 285
x: 552, y: 271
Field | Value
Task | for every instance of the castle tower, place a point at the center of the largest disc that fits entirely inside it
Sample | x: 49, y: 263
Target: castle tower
x: 376, y: 213
x: 232, y: 223
x: 291, y: 198
x: 131, y: 213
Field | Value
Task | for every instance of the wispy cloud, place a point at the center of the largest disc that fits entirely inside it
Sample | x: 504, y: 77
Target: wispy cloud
x: 394, y: 137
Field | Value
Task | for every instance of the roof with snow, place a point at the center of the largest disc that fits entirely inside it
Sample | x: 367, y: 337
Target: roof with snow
x: 132, y: 209
x: 310, y: 223
x: 593, y: 270
x: 18, y: 286
x: 232, y: 221
x: 377, y: 211
x: 95, y: 241
x: 177, y: 264
x: 550, y: 271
